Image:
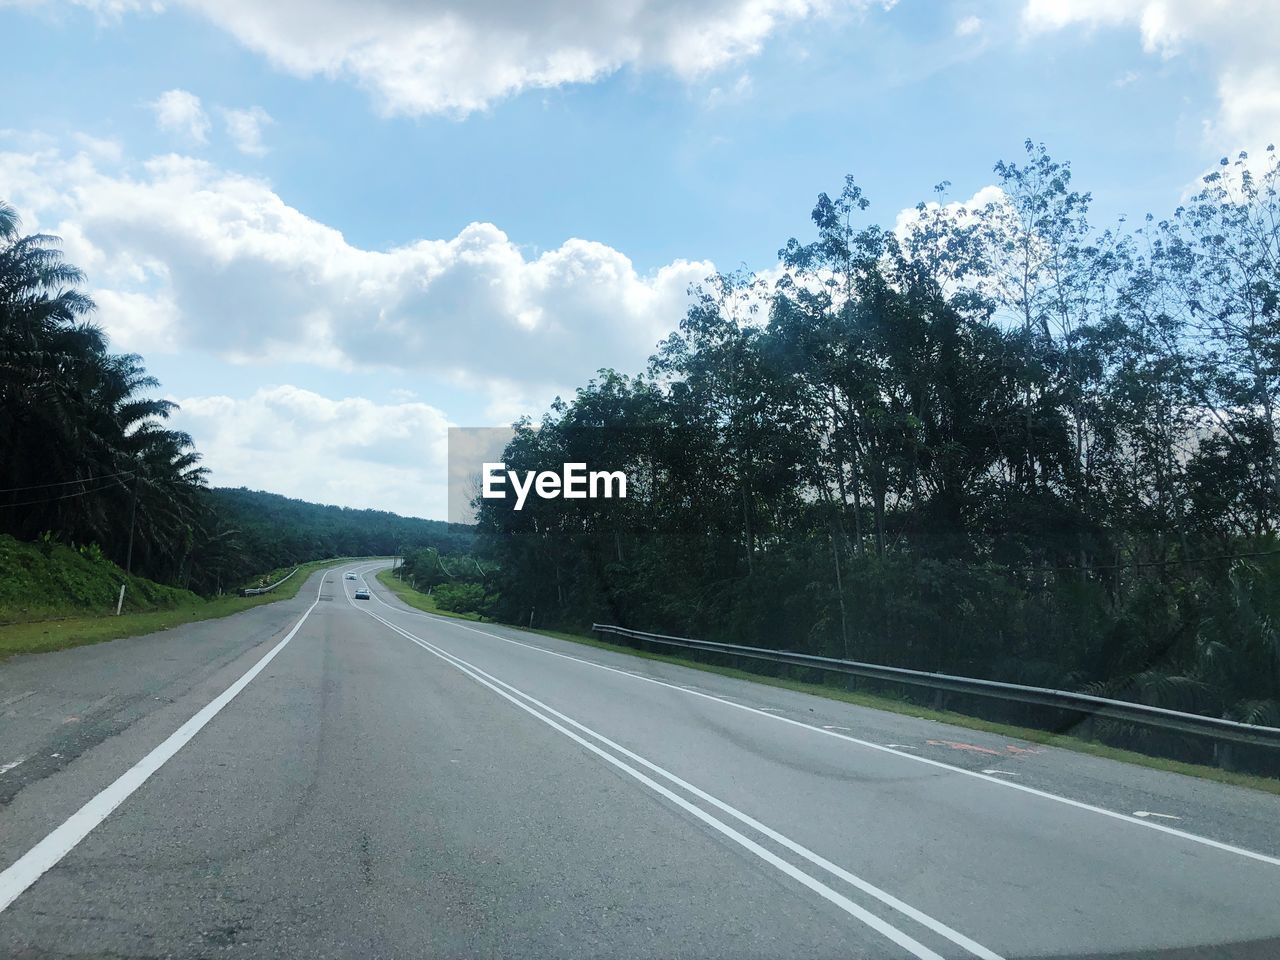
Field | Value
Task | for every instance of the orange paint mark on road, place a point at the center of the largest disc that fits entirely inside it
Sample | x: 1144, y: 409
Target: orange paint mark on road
x: 956, y: 745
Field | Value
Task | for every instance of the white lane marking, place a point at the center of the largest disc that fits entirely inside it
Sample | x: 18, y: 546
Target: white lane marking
x: 28, y: 868
x: 865, y: 886
x: 897, y: 746
x: 9, y: 766
x: 1030, y: 791
x: 831, y: 726
x: 1000, y: 773
x: 1149, y: 813
x: 817, y: 886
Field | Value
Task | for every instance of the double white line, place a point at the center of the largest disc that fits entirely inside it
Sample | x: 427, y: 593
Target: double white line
x: 580, y: 733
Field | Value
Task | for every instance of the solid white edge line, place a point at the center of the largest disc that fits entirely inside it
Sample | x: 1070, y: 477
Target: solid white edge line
x: 32, y: 865
x: 1008, y: 785
x: 885, y: 929
x: 818, y: 860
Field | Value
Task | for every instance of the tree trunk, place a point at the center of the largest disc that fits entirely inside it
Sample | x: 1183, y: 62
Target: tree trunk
x: 844, y: 616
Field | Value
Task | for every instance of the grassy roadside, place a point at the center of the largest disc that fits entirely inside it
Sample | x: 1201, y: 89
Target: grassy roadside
x: 42, y: 636
x: 418, y: 599
x: 48, y: 580
x: 877, y: 702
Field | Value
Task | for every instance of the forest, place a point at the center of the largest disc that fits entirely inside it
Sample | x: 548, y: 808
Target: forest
x: 87, y: 456
x: 987, y: 439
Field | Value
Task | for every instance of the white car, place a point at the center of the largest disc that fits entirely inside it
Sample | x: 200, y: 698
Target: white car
x: 362, y: 594
x: 350, y: 576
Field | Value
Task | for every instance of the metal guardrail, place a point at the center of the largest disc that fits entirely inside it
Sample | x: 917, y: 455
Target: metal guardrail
x: 254, y: 591
x: 1215, y: 728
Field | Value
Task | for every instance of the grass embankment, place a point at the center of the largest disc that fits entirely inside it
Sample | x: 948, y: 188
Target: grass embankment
x: 53, y: 597
x: 418, y: 599
x: 875, y: 701
x: 47, y: 580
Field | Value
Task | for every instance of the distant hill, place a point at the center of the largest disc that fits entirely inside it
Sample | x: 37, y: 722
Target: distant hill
x: 276, y: 531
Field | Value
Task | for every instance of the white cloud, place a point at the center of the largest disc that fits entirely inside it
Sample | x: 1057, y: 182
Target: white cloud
x: 184, y: 255
x: 455, y: 57
x: 1240, y: 38
x: 100, y: 148
x: 1250, y: 99
x: 245, y: 127
x: 350, y: 451
x: 180, y: 112
x: 134, y: 317
x: 969, y: 26
x: 739, y: 90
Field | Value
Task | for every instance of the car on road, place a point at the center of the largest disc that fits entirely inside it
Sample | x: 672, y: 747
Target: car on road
x: 362, y: 594
x: 350, y: 576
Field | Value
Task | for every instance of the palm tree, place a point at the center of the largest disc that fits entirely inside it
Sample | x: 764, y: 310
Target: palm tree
x: 84, y: 452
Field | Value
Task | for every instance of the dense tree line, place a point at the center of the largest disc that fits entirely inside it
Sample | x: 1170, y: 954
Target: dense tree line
x: 86, y: 456
x: 992, y: 440
x: 281, y: 531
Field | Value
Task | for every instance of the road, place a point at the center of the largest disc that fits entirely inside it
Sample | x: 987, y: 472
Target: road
x: 322, y: 777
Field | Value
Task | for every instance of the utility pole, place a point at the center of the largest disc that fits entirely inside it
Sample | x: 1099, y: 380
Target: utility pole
x: 133, y: 515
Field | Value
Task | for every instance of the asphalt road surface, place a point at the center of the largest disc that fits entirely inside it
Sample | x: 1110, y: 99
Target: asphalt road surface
x: 324, y: 777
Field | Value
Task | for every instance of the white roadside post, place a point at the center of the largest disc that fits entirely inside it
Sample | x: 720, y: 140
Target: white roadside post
x: 120, y: 600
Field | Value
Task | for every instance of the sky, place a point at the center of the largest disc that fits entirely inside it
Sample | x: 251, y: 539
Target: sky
x: 335, y: 229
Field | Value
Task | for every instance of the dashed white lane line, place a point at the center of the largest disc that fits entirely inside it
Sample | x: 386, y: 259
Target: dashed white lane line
x: 13, y: 763
x: 1151, y: 813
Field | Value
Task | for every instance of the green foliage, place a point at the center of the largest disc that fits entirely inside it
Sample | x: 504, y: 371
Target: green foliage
x: 460, y: 597
x: 48, y: 579
x: 276, y: 532
x: 85, y: 456
x: 457, y: 582
x: 994, y: 442
x: 84, y: 452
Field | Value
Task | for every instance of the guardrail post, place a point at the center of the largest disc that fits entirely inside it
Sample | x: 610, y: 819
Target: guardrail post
x: 1223, y: 755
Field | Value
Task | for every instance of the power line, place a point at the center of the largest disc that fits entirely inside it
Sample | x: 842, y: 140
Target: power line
x: 66, y: 483
x: 65, y: 496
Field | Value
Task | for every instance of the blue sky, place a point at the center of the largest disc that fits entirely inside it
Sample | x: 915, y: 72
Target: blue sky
x: 453, y: 211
